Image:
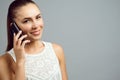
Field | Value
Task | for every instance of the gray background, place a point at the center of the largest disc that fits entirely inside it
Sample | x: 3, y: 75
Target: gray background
x: 88, y: 30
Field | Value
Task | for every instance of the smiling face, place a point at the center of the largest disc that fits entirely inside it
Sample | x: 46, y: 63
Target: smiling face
x: 30, y: 21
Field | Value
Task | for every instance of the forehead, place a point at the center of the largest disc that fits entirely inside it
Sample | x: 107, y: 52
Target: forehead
x: 29, y: 10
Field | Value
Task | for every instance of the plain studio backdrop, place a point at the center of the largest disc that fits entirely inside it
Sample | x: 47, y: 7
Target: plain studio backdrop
x: 88, y: 30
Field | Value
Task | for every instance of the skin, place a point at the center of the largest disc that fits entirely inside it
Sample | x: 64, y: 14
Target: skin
x: 30, y: 21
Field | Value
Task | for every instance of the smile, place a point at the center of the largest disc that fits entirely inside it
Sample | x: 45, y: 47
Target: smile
x: 35, y: 32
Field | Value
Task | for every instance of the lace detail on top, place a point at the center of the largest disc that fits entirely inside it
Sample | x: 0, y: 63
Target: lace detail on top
x: 42, y: 66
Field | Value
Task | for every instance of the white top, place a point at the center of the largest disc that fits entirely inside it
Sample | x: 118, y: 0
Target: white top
x: 43, y: 65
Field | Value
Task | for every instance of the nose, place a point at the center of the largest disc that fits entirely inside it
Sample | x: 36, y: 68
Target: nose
x: 35, y: 24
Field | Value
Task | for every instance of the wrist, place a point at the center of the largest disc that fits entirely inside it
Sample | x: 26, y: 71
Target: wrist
x: 20, y: 63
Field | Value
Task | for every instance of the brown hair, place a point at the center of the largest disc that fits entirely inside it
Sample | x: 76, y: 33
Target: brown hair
x: 11, y: 14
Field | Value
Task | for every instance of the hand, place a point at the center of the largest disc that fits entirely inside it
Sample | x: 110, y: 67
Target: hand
x: 18, y: 46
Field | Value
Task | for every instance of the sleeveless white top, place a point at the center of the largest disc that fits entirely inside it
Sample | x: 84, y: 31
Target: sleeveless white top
x: 41, y: 66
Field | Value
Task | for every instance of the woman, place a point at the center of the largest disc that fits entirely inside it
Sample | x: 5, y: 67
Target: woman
x: 27, y: 56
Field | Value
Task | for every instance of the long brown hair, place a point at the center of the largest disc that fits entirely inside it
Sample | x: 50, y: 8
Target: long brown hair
x: 11, y: 15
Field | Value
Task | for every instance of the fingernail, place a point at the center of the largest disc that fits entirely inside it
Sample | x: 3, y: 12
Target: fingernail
x: 14, y: 34
x: 25, y: 35
x: 28, y: 40
x: 20, y: 31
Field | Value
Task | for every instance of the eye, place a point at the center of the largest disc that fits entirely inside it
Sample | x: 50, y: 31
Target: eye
x: 38, y: 17
x: 26, y: 21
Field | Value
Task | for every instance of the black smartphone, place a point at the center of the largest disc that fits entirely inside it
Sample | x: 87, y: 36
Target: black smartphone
x: 14, y: 28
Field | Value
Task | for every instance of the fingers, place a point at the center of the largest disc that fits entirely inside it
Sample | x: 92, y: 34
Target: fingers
x: 25, y: 42
x: 19, y: 40
x: 16, y: 36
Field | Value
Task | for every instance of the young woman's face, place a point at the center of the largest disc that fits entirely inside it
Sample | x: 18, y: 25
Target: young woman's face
x: 29, y: 20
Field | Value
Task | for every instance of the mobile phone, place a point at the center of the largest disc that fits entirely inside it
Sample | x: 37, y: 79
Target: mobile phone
x: 14, y: 28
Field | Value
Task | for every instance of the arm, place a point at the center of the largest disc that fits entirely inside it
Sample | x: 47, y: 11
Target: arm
x: 6, y: 72
x: 19, y: 50
x: 6, y: 66
x: 20, y: 71
x: 60, y: 54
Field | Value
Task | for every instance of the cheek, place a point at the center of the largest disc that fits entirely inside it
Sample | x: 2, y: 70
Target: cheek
x: 25, y: 29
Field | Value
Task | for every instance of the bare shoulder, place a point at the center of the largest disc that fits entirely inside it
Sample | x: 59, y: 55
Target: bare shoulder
x: 59, y: 51
x: 60, y: 54
x: 58, y: 48
x: 4, y: 66
x: 3, y: 61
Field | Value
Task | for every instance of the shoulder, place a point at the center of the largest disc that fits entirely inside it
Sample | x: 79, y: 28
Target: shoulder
x: 3, y: 58
x: 3, y: 61
x: 58, y: 48
x: 60, y: 54
x: 58, y: 51
x: 4, y: 65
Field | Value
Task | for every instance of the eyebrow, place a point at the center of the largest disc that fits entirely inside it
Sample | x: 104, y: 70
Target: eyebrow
x: 30, y: 17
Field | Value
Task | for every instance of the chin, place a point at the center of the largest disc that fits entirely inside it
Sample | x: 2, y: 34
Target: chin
x: 36, y: 38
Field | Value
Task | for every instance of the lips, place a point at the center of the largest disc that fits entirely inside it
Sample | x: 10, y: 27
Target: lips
x: 37, y: 32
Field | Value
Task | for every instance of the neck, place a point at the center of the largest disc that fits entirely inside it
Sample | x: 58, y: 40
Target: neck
x: 34, y: 46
